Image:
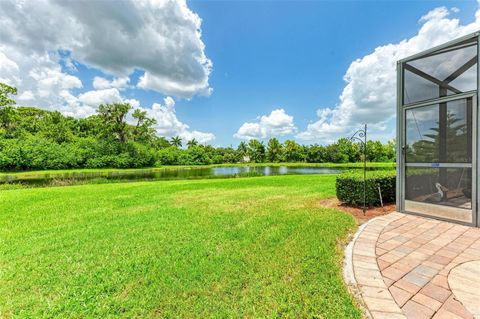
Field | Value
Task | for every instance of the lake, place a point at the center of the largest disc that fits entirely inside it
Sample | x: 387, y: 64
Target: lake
x: 270, y: 170
x: 44, y: 179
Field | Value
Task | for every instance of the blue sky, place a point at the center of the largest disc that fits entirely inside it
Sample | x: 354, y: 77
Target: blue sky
x: 284, y: 55
x: 291, y: 54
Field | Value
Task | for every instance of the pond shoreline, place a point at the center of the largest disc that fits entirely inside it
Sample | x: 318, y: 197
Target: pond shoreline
x: 385, y: 165
x: 98, y: 176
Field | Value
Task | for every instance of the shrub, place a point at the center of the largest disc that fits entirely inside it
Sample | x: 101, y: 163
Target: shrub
x: 349, y: 187
x: 169, y: 156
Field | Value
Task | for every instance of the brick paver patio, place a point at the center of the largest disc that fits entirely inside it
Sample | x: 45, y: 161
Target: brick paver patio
x: 401, y: 264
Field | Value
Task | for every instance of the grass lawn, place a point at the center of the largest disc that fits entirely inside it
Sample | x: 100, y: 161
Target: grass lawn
x: 253, y: 247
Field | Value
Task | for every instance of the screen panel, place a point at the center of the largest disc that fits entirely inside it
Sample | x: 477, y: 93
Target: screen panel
x: 440, y: 186
x: 439, y: 133
x: 452, y: 71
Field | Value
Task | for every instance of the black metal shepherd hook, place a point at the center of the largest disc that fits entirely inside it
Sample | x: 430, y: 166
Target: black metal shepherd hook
x: 361, y: 136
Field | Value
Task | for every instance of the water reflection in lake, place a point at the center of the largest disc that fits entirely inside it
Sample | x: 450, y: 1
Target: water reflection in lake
x: 270, y: 170
x: 39, y: 179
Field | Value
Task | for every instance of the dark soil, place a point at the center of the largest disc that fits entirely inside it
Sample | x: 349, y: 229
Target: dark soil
x: 356, y: 211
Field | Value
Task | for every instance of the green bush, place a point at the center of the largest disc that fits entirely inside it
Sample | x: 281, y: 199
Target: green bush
x: 349, y: 187
x: 169, y: 156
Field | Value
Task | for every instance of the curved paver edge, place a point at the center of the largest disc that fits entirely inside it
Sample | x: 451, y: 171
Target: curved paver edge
x: 363, y: 276
x: 348, y: 274
x: 457, y: 287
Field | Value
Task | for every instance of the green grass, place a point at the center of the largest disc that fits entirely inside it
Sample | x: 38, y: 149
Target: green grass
x: 252, y: 248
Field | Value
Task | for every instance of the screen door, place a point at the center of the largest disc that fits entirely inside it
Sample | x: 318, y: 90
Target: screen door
x: 438, y: 156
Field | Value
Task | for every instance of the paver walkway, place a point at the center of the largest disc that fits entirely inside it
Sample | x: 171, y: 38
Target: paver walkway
x: 464, y: 281
x: 401, y: 265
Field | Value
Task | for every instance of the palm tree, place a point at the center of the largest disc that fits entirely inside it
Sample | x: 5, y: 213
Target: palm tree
x: 242, y: 152
x: 193, y: 142
x: 242, y: 148
x: 256, y: 151
x: 292, y: 151
x: 176, y: 141
x: 274, y: 150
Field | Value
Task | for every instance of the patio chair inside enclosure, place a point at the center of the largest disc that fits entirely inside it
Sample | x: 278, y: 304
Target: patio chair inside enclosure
x: 437, y: 132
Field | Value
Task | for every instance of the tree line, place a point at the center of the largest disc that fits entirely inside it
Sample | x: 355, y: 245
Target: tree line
x: 32, y: 138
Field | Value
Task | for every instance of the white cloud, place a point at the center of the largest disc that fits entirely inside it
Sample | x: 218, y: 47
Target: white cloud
x: 51, y: 89
x: 277, y: 123
x: 50, y: 79
x: 169, y: 125
x: 100, y: 83
x: 201, y: 137
x: 250, y: 130
x: 455, y: 9
x: 38, y: 77
x: 97, y: 97
x: 133, y: 102
x: 26, y: 96
x: 435, y: 14
x: 160, y: 38
x: 42, y: 43
x: 369, y: 95
x: 7, y: 67
x: 33, y: 32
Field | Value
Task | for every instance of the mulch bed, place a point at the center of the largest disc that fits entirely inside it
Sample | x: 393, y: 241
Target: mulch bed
x: 356, y: 211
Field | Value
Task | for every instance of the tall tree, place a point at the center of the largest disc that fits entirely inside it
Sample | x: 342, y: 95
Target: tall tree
x: 143, y: 130
x: 242, y: 149
x: 293, y: 151
x: 56, y: 127
x: 176, y: 141
x: 7, y: 114
x: 274, y: 150
x: 351, y: 152
x: 191, y: 143
x: 5, y: 92
x: 114, y: 116
x: 256, y: 151
x: 161, y: 142
x: 390, y: 150
x: 316, y: 153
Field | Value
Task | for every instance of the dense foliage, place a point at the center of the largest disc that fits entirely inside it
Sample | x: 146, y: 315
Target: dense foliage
x: 349, y: 187
x: 119, y: 136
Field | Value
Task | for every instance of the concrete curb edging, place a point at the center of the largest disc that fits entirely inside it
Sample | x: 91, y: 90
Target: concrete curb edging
x: 348, y: 274
x: 362, y: 274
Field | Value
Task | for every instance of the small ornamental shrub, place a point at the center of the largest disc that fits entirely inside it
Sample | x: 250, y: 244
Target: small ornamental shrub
x: 349, y: 187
